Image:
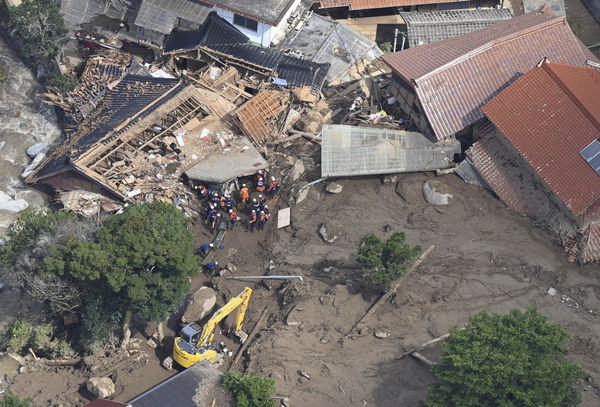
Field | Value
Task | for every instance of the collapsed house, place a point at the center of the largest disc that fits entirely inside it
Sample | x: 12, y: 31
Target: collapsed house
x: 144, y: 134
x: 219, y: 41
x: 353, y: 151
x: 427, y: 27
x: 443, y: 85
x: 540, y: 152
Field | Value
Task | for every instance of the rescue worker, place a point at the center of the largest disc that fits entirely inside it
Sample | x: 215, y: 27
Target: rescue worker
x: 252, y: 220
x: 261, y: 201
x: 260, y: 184
x: 205, y: 248
x: 210, y: 210
x: 201, y: 189
x: 211, y: 267
x: 211, y: 218
x: 255, y: 205
x: 222, y: 199
x: 260, y: 174
x: 266, y: 210
x: 215, y: 200
x: 216, y: 221
x: 262, y: 221
x: 273, y: 187
x: 232, y: 218
x: 229, y: 203
x: 244, y: 194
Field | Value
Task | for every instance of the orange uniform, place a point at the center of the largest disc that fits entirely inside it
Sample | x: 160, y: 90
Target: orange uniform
x: 244, y: 194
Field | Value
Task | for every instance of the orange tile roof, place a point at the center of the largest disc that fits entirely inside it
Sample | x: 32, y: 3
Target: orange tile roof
x: 372, y: 4
x: 549, y: 115
x: 453, y: 78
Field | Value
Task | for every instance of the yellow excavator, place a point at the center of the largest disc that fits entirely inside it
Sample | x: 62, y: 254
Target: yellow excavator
x: 195, y: 342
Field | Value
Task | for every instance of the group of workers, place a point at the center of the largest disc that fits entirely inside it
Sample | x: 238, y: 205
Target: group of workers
x: 259, y: 210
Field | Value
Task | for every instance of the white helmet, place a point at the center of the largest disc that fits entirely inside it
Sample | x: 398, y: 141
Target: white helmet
x: 272, y: 178
x: 260, y: 196
x: 253, y: 199
x: 231, y: 210
x: 243, y: 185
x: 216, y: 263
x: 211, y: 245
x: 266, y: 206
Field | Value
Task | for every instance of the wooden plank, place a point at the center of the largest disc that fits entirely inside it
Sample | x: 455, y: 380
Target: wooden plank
x: 283, y: 217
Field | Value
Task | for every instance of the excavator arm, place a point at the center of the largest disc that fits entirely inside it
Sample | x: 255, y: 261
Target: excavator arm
x: 240, y: 302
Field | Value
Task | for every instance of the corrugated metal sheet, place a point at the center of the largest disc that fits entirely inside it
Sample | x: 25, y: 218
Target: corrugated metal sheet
x: 268, y: 11
x: 428, y: 27
x: 352, y: 151
x: 161, y: 15
x: 189, y: 388
x: 455, y: 77
x: 372, y: 4
x: 77, y: 12
x: 515, y: 183
x: 549, y: 124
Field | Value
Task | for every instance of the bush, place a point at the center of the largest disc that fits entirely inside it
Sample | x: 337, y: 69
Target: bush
x: 63, y: 83
x: 17, y: 336
x: 98, y: 321
x: 10, y: 399
x: 506, y: 360
x: 22, y: 335
x: 386, y: 47
x: 3, y: 74
x: 249, y: 390
x: 383, y: 263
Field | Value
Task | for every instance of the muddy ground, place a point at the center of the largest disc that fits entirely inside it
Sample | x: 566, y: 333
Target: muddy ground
x: 485, y: 257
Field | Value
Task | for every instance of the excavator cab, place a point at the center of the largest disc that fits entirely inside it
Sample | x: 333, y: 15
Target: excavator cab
x: 195, y: 342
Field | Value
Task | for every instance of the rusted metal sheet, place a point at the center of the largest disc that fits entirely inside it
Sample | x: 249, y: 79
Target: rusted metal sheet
x: 255, y: 117
x: 455, y: 77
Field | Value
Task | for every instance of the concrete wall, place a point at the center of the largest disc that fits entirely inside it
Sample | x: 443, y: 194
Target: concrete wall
x: 262, y: 36
x: 278, y: 33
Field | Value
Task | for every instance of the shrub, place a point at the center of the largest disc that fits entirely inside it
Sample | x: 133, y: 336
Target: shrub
x: 10, y: 399
x: 506, y: 360
x: 383, y: 263
x: 98, y: 321
x: 63, y: 83
x: 249, y: 390
x: 17, y: 336
x: 386, y: 47
x: 22, y: 335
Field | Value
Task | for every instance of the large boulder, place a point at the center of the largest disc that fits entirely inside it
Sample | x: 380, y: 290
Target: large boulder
x: 200, y: 305
x: 101, y: 387
x: 329, y: 231
x: 334, y: 188
x: 303, y: 190
x: 7, y: 203
x: 436, y: 193
x: 34, y: 164
x: 296, y: 172
x: 35, y: 149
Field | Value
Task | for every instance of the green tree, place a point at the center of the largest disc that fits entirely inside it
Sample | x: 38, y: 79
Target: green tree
x: 249, y: 390
x: 62, y: 82
x: 512, y: 360
x: 41, y: 27
x: 385, y: 262
x: 142, y: 257
x: 10, y: 399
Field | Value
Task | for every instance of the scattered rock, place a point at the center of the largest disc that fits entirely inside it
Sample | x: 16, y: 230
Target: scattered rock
x: 551, y: 291
x: 302, y: 192
x: 285, y: 402
x: 34, y: 164
x: 292, y: 319
x: 12, y: 205
x: 432, y: 191
x: 296, y: 172
x: 304, y: 374
x: 200, y: 305
x: 381, y: 334
x: 101, y: 387
x: 388, y: 179
x: 334, y: 188
x: 231, y: 267
x: 324, y: 340
x: 328, y: 232
x: 35, y: 149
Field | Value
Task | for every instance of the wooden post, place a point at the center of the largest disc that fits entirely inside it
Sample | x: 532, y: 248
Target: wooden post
x: 249, y: 339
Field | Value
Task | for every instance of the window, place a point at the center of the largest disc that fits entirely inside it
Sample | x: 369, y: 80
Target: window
x: 245, y: 22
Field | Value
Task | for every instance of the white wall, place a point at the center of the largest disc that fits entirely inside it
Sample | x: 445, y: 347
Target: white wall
x: 278, y: 33
x: 262, y: 36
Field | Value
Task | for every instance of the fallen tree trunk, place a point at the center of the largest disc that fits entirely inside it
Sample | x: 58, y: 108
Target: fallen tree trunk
x: 249, y: 339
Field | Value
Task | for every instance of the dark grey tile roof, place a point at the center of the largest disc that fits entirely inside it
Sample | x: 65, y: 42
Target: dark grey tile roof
x: 594, y: 7
x: 424, y: 28
x: 77, y: 12
x: 268, y: 11
x: 219, y: 36
x: 126, y: 100
x: 189, y: 388
x: 160, y: 15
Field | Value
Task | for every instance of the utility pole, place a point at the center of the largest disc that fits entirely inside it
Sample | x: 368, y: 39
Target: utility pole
x: 396, y: 31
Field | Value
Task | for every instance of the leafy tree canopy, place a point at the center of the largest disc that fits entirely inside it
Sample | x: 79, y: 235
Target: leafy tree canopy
x: 512, y: 360
x: 10, y: 399
x: 41, y: 27
x: 385, y: 262
x: 143, y: 255
x: 249, y: 390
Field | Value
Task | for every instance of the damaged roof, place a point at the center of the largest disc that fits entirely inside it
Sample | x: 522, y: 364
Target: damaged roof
x: 424, y: 28
x: 455, y: 77
x: 352, y: 151
x: 128, y: 102
x: 372, y: 4
x: 189, y: 388
x: 218, y: 36
x: 550, y: 114
x: 161, y: 15
x: 323, y: 40
x: 267, y: 11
